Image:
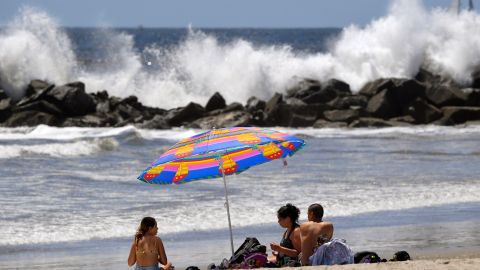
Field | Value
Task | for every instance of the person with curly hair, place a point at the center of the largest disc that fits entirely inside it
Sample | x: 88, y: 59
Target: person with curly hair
x: 286, y: 253
x: 147, y: 248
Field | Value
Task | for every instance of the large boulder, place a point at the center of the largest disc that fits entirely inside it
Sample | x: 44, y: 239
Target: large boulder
x: 255, y: 104
x: 446, y: 95
x: 32, y: 118
x: 272, y: 109
x: 72, y: 99
x: 476, y: 78
x: 299, y: 115
x: 84, y: 121
x: 183, y: 115
x: 396, y: 95
x: 39, y: 106
x: 36, y: 90
x: 458, y: 115
x: 341, y: 115
x: 215, y: 102
x: 232, y: 118
x: 5, y: 106
x: 158, y: 122
x: 348, y: 102
x: 473, y: 96
x: 312, y: 91
x: 321, y: 123
x: 372, y: 88
x: 423, y: 112
x: 375, y: 122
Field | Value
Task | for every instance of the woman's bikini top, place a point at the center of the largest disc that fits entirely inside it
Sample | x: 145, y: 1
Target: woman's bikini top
x: 146, y: 253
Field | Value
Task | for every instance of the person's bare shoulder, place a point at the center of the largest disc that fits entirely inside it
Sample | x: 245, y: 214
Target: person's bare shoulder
x: 305, y: 227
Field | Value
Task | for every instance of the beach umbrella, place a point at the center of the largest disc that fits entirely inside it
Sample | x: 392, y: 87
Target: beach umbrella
x: 217, y: 153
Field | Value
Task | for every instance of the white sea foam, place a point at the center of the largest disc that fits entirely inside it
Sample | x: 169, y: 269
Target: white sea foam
x: 34, y: 47
x: 71, y: 149
x: 395, y: 45
x: 175, y: 134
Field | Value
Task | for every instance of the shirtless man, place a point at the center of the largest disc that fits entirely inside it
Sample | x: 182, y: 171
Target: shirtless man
x: 314, y: 232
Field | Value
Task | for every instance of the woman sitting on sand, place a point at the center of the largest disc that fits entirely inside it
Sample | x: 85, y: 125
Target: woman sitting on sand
x: 286, y: 253
x: 147, y: 248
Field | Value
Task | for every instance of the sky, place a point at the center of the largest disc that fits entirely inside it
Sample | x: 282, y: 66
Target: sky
x: 208, y: 13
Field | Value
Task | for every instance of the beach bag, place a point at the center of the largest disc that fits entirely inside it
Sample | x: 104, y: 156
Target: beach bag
x: 366, y: 257
x: 401, y: 256
x: 254, y: 260
x: 249, y: 246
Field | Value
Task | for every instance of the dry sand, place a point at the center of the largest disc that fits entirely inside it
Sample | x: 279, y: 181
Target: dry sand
x: 463, y: 261
x: 440, y: 264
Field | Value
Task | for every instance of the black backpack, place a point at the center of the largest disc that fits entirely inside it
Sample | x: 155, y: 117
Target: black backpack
x: 249, y: 246
x: 367, y: 257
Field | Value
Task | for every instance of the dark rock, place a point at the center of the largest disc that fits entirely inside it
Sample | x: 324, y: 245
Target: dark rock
x: 394, y: 99
x: 272, y: 109
x: 101, y: 95
x: 405, y: 119
x: 374, y: 122
x: 215, y: 102
x: 5, y: 104
x: 235, y: 106
x: 304, y: 88
x: 5, y: 109
x: 180, y: 116
x: 233, y: 118
x: 32, y: 118
x: 422, y: 112
x: 321, y: 123
x: 370, y: 89
x: 36, y: 90
x: 127, y: 111
x: 36, y: 86
x: 3, y: 95
x: 299, y: 115
x: 312, y: 91
x: 426, y: 76
x: 476, y: 78
x: 84, y: 121
x: 294, y: 102
x: 328, y: 92
x: 446, y: 95
x: 473, y: 96
x: 380, y: 105
x: 347, y: 102
x: 459, y: 115
x: 39, y: 106
x: 255, y: 104
x: 158, y: 122
x: 341, y: 115
x: 72, y: 99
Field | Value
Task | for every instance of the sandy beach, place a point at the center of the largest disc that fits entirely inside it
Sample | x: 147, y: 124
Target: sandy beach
x: 440, y: 264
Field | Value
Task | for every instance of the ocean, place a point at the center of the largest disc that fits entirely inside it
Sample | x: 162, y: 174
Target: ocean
x: 69, y: 197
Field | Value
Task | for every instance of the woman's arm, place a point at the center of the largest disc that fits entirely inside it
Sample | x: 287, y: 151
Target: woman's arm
x: 132, y: 257
x: 284, y: 250
x: 162, y: 256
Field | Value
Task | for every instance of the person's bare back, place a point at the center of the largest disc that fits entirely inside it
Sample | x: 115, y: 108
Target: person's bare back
x: 315, y: 232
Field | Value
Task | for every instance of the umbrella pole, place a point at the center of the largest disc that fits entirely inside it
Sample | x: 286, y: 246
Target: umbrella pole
x: 228, y: 210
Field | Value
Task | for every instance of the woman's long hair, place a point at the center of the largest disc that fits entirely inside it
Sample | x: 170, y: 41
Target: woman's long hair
x: 290, y: 211
x: 145, y: 224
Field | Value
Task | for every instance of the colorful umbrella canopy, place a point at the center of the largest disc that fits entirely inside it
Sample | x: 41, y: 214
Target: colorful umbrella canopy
x: 220, y: 152
x: 202, y: 156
